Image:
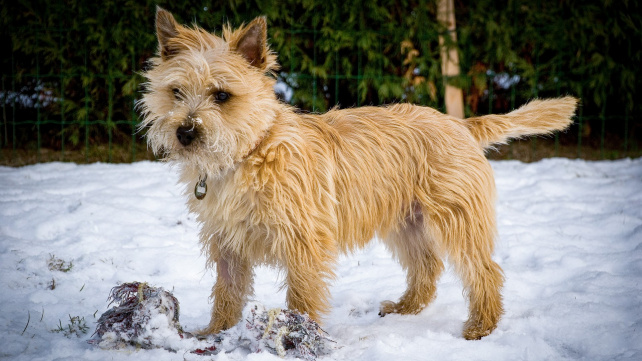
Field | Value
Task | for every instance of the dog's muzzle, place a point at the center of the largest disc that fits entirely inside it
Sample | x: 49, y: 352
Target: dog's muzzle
x: 186, y: 135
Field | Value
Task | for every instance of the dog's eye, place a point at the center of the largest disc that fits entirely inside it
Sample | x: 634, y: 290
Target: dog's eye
x: 177, y: 92
x: 221, y: 97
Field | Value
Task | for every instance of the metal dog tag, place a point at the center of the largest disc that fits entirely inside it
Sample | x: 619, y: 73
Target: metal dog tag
x: 200, y: 189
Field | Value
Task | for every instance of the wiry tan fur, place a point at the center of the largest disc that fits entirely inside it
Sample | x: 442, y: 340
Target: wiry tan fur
x: 296, y: 190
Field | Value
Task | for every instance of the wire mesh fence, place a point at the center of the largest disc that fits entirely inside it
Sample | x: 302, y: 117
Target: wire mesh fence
x: 37, y: 118
x: 71, y: 73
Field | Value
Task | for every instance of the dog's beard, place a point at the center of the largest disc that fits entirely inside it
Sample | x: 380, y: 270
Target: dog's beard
x: 211, y: 153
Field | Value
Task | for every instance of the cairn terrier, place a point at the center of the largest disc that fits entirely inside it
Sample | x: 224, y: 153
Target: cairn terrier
x: 272, y: 186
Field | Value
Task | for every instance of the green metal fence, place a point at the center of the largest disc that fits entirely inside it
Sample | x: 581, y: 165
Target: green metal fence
x: 36, y: 116
x: 68, y: 106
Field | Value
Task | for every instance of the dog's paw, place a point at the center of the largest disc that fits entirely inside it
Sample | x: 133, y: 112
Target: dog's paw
x: 476, y: 330
x: 387, y: 307
x: 403, y: 307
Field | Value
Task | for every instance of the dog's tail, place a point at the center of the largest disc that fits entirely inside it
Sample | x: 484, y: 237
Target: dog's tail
x: 536, y: 117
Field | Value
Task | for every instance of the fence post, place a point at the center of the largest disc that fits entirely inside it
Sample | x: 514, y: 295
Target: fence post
x: 133, y: 120
x: 85, y: 85
x: 359, y: 73
x: 336, y: 78
x: 626, y: 128
x: 62, y: 99
x: 359, y: 60
x: 558, y: 80
x: 314, y: 69
x: 5, y: 138
x: 491, y: 79
x: 535, y: 94
x: 38, y: 96
x: 110, y: 105
x: 13, y: 112
x: 603, y: 121
x: 580, y: 130
x: 626, y: 115
x: 291, y: 58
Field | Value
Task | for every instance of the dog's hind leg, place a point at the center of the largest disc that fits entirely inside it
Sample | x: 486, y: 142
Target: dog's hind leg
x: 469, y: 243
x: 416, y: 252
x: 483, y: 280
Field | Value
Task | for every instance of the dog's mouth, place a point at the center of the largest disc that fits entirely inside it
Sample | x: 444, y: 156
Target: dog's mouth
x: 208, y: 153
x: 190, y: 144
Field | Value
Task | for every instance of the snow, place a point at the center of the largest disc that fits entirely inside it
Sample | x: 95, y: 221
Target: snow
x: 570, y: 244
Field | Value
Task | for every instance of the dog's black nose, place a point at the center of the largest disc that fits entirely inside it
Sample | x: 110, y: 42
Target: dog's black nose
x: 185, y: 135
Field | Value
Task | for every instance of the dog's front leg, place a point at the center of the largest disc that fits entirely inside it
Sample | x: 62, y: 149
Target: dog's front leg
x: 233, y: 285
x: 308, y: 272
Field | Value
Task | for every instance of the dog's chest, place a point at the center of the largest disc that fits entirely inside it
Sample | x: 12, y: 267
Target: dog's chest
x: 231, y: 216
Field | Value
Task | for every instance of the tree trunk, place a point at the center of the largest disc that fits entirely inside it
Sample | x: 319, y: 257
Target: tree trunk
x: 454, y: 96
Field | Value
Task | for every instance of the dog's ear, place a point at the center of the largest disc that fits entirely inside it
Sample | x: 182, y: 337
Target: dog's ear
x: 166, y: 29
x: 251, y: 42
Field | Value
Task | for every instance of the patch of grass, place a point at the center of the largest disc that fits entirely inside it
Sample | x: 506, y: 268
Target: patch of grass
x: 76, y: 326
x: 57, y: 264
x: 95, y: 153
x: 535, y: 149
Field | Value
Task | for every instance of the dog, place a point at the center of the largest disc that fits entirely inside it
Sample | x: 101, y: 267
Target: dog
x: 277, y: 187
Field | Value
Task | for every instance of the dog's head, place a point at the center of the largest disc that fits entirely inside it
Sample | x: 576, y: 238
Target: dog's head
x: 208, y: 100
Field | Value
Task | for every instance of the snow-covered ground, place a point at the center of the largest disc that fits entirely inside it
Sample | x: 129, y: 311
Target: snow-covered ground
x: 570, y: 243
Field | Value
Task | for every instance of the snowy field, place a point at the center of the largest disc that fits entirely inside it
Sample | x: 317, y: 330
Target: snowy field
x: 570, y: 243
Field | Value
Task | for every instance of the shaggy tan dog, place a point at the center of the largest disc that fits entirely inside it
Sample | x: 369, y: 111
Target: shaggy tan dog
x: 295, y: 190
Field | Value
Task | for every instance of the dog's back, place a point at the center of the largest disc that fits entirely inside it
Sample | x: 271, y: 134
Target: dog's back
x: 387, y: 160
